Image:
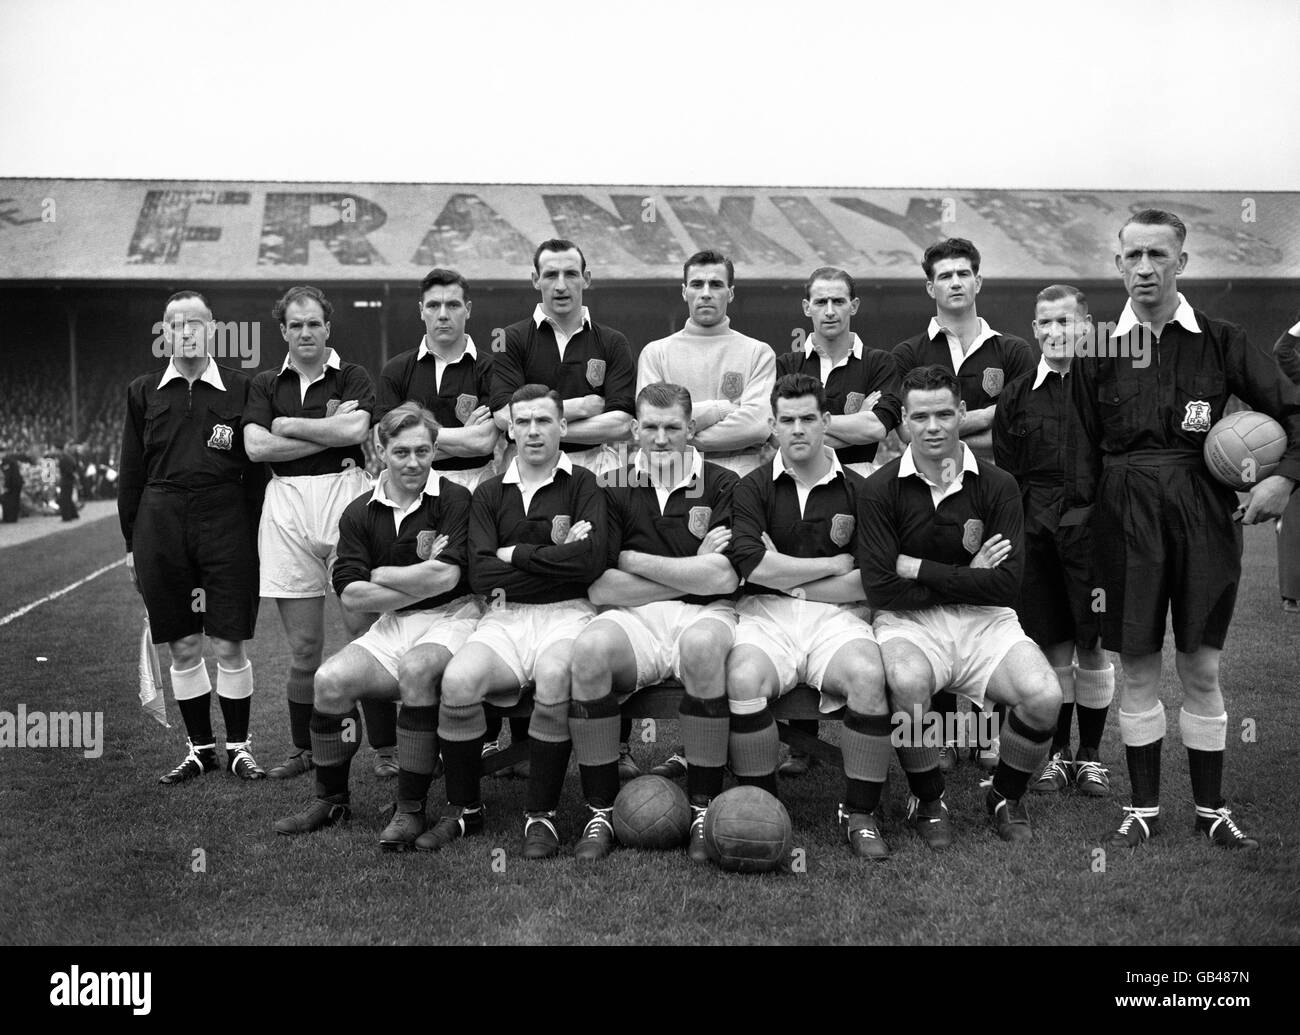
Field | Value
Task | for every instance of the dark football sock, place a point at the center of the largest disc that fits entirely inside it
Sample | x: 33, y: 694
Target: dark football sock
x: 1061, y: 738
x: 944, y: 703
x: 332, y: 751
x: 921, y: 767
x: 547, y: 761
x: 865, y: 744
x: 460, y: 733
x: 1144, y: 773
x: 196, y: 712
x: 753, y: 747
x: 300, y: 694
x: 519, y: 730
x: 495, y: 721
x: 624, y: 728
x: 234, y: 715
x: 1022, y: 751
x: 381, y: 723
x: 1092, y: 724
x: 594, y: 729
x: 1206, y: 771
x: 417, y: 749
x: 706, y: 725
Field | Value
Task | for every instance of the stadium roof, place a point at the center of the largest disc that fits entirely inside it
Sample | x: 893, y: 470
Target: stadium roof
x: 139, y: 230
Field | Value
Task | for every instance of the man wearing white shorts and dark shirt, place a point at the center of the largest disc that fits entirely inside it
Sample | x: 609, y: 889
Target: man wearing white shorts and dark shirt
x: 308, y: 420
x: 943, y: 557
x: 401, y: 551
x: 861, y: 395
x: 536, y: 542
x: 803, y: 611
x: 668, y: 613
x: 448, y: 376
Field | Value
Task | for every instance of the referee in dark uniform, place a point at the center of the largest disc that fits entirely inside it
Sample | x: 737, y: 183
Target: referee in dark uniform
x: 187, y: 500
x: 1164, y: 529
x: 983, y: 361
x: 861, y: 387
x: 451, y: 377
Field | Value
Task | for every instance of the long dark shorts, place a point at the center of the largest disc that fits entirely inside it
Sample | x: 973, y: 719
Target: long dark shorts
x: 1165, y: 538
x: 187, y: 542
x: 1058, y: 595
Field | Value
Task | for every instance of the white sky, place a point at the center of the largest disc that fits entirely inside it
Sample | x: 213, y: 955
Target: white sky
x: 1093, y: 93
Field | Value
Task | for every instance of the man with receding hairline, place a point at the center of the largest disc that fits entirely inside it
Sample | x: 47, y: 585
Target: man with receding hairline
x: 1165, y: 531
x: 187, y: 500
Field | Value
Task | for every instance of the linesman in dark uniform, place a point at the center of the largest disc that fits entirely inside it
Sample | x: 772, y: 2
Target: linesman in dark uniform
x: 187, y: 502
x: 1057, y: 605
x: 1165, y: 530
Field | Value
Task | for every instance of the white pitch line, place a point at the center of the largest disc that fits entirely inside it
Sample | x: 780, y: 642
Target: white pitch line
x: 59, y: 592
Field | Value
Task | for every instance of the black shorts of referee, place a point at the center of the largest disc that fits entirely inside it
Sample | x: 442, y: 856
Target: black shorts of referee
x: 191, y: 540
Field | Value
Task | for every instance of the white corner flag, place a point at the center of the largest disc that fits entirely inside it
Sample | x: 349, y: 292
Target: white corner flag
x: 151, y: 683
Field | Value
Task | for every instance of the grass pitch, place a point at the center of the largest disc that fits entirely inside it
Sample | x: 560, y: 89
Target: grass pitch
x: 95, y: 851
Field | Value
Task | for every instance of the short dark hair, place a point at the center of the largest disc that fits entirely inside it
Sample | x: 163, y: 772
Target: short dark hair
x: 709, y: 258
x: 304, y: 292
x: 664, y: 394
x: 444, y: 278
x: 408, y: 415
x: 1158, y: 217
x: 556, y: 244
x: 950, y: 248
x: 829, y: 273
x: 929, y: 379
x: 529, y: 393
x: 796, y: 386
x: 180, y: 296
x: 1060, y: 292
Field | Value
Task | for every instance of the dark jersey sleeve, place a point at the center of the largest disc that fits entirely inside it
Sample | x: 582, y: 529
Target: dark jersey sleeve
x: 1000, y: 586
x: 1286, y: 350
x: 1005, y: 453
x: 354, y: 561
x: 390, y: 390
x: 260, y: 408
x: 620, y: 375
x: 904, y: 358
x: 584, y: 560
x: 357, y: 385
x: 453, y: 522
x: 1020, y: 359
x: 882, y: 376
x: 879, y: 548
x: 508, y: 366
x: 1083, y: 454
x: 130, y: 476
x: 748, y: 523
x: 487, y: 572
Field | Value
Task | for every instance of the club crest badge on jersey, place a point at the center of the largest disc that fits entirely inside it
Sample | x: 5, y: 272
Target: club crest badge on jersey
x: 733, y: 384
x: 223, y: 437
x: 972, y: 535
x: 332, y: 407
x: 698, y: 521
x: 842, y: 529
x: 994, y: 379
x: 424, y: 543
x: 853, y: 402
x: 1197, y: 416
x: 465, y: 405
x: 560, y: 525
x: 595, y: 372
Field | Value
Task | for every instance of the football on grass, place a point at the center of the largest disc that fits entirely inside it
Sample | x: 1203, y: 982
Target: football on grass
x: 651, y: 812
